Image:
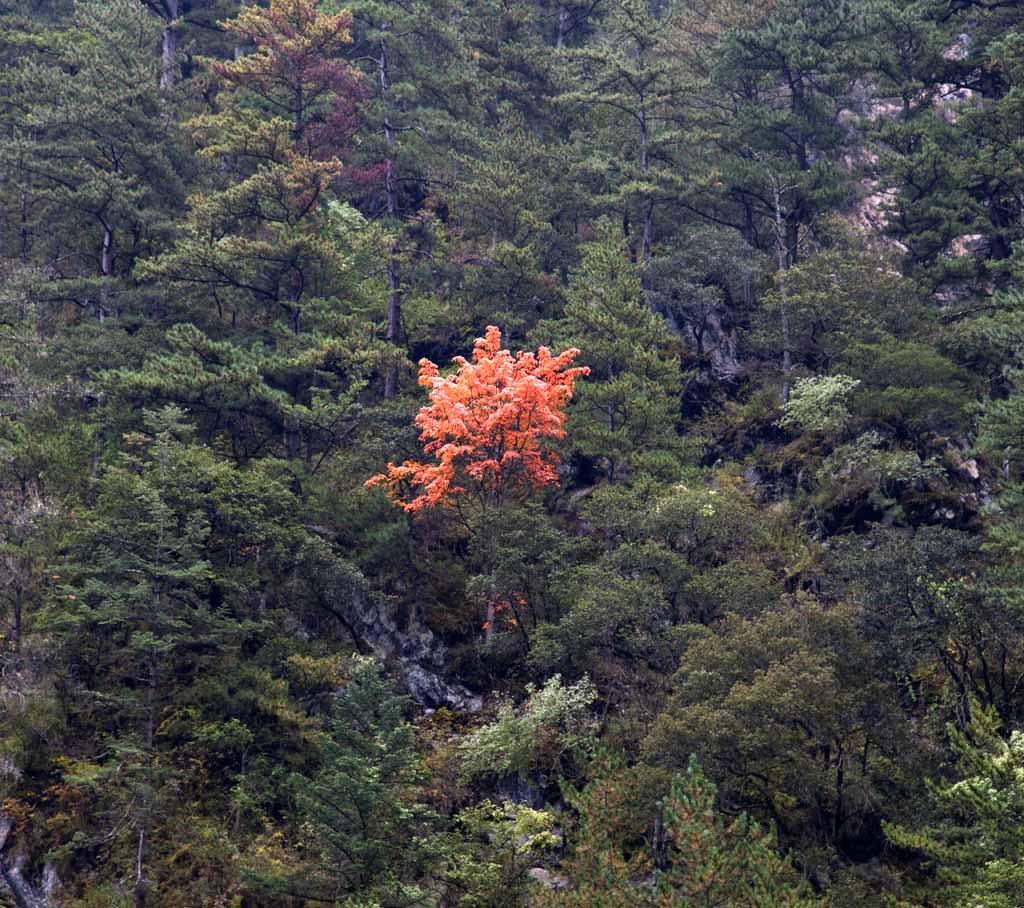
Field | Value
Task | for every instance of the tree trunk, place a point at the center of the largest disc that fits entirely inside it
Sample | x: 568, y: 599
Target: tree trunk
x: 489, y: 624
x: 107, y: 260
x: 16, y: 622
x: 391, y: 195
x: 23, y: 245
x: 141, y: 887
x: 169, y: 48
x: 784, y: 257
x: 394, y: 318
x: 106, y: 268
x: 647, y: 237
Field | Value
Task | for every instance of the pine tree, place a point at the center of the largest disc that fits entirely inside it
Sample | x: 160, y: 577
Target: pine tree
x: 630, y: 87
x: 256, y: 247
x: 409, y: 113
x: 169, y: 572
x: 268, y: 258
x: 712, y: 860
x: 778, y: 84
x: 136, y: 608
x: 91, y: 164
x: 697, y: 855
x: 976, y: 845
x: 507, y: 226
x: 949, y: 158
x: 626, y: 412
x: 186, y: 23
x: 370, y: 837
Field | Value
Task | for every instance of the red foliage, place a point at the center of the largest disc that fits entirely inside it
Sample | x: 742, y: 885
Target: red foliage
x: 486, y: 426
x: 298, y: 69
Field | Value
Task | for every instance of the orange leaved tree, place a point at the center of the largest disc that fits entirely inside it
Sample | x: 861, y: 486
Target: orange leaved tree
x: 488, y: 429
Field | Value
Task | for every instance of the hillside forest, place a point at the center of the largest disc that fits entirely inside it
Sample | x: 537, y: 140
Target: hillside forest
x: 512, y: 453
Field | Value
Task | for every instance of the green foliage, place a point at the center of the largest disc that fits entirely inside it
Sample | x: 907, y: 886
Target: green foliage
x: 847, y: 294
x: 227, y: 229
x: 818, y: 404
x: 955, y: 205
x: 368, y: 835
x: 96, y: 165
x: 625, y: 412
x: 702, y: 858
x: 976, y: 845
x: 782, y: 707
x: 553, y: 721
x: 498, y: 843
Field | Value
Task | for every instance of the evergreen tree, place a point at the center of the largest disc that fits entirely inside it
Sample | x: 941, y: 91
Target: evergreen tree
x: 167, y: 576
x: 91, y: 163
x: 137, y: 610
x: 256, y: 247
x: 506, y: 226
x: 627, y: 409
x: 270, y: 252
x: 976, y: 844
x: 409, y: 113
x: 949, y: 157
x: 778, y: 83
x: 630, y: 88
x: 698, y: 857
x: 371, y: 837
x: 712, y: 860
x: 186, y: 23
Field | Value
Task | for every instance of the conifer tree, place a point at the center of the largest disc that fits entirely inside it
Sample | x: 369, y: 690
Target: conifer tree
x: 167, y: 575
x: 630, y: 87
x: 267, y: 256
x: 975, y: 847
x: 628, y: 407
x: 778, y: 83
x: 409, y: 113
x: 508, y: 225
x: 135, y: 611
x: 699, y: 857
x: 255, y: 247
x: 949, y: 158
x: 186, y: 23
x: 714, y: 860
x: 372, y: 837
x: 90, y: 160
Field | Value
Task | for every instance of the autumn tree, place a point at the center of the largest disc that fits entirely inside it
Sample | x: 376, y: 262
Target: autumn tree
x: 266, y: 256
x: 255, y: 246
x: 486, y: 427
x: 489, y: 429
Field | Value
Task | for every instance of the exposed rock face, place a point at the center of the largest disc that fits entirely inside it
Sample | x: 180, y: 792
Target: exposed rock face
x: 13, y: 881
x: 717, y: 346
x: 871, y: 210
x: 713, y: 347
x: 547, y: 879
x: 419, y: 655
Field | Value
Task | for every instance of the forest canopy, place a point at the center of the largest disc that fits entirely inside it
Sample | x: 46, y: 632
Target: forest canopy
x: 511, y: 453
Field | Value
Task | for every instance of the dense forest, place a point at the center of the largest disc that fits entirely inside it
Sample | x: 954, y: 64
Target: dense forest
x: 512, y: 453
